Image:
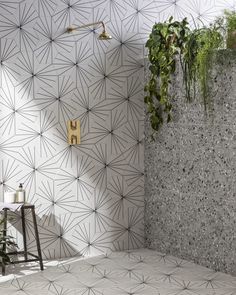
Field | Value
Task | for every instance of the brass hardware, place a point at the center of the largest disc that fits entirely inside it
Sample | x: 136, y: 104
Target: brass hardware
x: 103, y: 36
x: 73, y: 125
x: 73, y: 129
x: 73, y: 139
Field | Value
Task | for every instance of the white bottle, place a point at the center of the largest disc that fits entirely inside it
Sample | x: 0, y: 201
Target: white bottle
x: 20, y: 194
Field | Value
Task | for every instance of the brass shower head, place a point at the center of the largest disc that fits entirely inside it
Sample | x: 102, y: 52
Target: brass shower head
x: 103, y: 36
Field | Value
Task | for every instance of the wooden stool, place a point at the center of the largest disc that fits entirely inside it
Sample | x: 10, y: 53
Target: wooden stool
x: 25, y: 252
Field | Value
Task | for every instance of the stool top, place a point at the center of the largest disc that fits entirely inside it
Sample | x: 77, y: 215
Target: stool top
x: 15, y: 206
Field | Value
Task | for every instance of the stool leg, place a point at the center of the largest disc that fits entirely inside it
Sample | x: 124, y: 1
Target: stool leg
x: 4, y: 248
x: 24, y: 232
x: 37, y: 239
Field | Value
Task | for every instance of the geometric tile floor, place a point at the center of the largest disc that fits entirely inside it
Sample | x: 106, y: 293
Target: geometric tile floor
x: 141, y: 272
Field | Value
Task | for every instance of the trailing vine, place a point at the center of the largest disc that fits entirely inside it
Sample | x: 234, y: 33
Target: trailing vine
x: 208, y: 39
x: 230, y: 20
x: 164, y: 44
x: 167, y: 42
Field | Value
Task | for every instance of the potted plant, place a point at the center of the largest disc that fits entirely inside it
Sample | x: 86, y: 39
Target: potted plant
x: 5, y: 241
x: 230, y: 18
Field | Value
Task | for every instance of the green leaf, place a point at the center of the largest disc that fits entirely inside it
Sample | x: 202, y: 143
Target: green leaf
x: 175, y: 39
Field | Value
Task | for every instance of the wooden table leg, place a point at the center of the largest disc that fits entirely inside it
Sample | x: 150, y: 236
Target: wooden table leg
x: 37, y: 239
x: 24, y: 232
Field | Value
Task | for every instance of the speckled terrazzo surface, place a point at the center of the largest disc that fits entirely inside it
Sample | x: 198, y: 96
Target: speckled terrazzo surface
x: 137, y: 272
x: 190, y: 175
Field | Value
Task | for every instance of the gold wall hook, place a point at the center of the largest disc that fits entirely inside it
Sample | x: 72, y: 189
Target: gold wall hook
x: 73, y: 130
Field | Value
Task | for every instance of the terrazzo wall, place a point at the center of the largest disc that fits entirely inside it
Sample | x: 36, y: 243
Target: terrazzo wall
x: 89, y: 198
x: 190, y: 173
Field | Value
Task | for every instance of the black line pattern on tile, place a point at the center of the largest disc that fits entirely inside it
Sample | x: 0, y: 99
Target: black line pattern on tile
x: 48, y: 77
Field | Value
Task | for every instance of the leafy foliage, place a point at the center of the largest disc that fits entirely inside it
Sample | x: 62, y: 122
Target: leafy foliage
x: 164, y: 44
x: 5, y: 241
x: 230, y: 17
x: 167, y: 42
x: 208, y: 40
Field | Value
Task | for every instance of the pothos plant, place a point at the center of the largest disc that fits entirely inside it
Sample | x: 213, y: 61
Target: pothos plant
x: 168, y: 42
x: 5, y: 241
x: 165, y: 42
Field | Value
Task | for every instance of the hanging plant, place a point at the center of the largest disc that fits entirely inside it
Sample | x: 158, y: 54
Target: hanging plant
x: 197, y: 59
x: 230, y: 19
x: 209, y: 39
x: 164, y: 44
x: 168, y: 42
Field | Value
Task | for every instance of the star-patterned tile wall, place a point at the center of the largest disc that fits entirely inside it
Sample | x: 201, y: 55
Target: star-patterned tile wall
x: 89, y: 198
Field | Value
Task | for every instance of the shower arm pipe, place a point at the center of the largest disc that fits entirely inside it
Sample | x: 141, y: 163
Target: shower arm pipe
x: 72, y: 29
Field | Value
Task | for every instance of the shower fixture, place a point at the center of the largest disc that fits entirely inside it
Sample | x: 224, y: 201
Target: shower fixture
x: 103, y: 36
x: 73, y: 132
